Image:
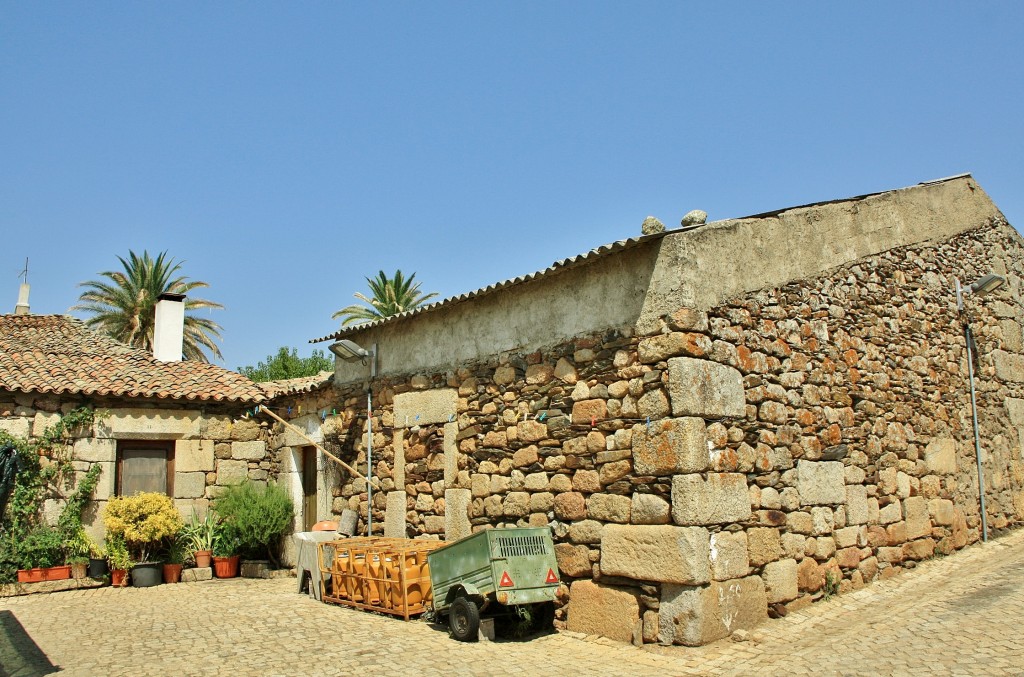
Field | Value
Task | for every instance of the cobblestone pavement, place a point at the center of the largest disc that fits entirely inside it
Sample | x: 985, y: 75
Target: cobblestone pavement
x: 959, y: 615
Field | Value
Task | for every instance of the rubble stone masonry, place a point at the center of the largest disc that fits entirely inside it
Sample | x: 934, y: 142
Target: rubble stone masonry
x: 732, y: 463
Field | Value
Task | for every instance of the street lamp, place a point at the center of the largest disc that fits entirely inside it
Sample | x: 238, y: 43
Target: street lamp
x: 983, y: 285
x: 350, y: 351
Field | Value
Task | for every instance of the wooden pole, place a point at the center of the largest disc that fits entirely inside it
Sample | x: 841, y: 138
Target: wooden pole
x: 266, y: 410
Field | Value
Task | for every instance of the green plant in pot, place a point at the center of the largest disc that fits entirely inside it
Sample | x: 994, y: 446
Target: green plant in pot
x: 225, y: 550
x: 145, y: 522
x: 76, y: 552
x: 198, y: 536
x: 97, y: 560
x: 174, y: 559
x: 40, y: 548
x: 259, y: 515
x: 120, y: 560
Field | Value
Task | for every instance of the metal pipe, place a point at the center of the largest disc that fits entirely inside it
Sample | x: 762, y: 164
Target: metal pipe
x: 977, y: 437
x: 369, y: 456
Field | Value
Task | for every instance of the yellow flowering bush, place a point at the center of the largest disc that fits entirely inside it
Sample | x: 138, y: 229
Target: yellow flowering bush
x: 144, y: 521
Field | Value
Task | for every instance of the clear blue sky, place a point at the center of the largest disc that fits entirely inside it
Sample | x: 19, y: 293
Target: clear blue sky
x: 285, y: 151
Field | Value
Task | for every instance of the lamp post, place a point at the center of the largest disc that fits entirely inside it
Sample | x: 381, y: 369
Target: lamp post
x: 350, y: 351
x: 980, y: 287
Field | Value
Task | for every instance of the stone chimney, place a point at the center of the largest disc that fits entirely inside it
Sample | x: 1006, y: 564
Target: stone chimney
x: 22, y: 307
x: 169, y: 328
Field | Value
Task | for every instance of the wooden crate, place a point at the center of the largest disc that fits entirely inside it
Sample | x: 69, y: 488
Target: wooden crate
x: 389, y: 575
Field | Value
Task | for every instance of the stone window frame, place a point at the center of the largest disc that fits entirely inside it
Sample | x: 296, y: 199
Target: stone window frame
x: 167, y: 446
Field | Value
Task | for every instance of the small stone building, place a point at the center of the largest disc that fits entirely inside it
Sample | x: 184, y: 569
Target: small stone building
x: 174, y: 426
x: 715, y: 421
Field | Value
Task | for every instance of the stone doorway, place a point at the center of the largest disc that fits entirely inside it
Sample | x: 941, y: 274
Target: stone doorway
x: 309, y: 482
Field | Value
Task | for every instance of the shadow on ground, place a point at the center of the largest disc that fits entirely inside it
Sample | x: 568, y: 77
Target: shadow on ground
x: 19, y: 655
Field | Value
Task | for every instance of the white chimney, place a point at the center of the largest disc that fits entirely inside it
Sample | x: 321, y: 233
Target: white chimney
x: 169, y: 328
x: 22, y: 307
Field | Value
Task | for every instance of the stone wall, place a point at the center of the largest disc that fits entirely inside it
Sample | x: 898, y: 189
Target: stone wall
x: 214, y: 446
x: 724, y: 464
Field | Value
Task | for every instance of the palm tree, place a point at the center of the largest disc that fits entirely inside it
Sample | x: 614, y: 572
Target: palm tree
x: 390, y: 296
x: 124, y: 305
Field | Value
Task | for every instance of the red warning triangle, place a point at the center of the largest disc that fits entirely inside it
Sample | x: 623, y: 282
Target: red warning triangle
x: 506, y: 580
x: 552, y: 578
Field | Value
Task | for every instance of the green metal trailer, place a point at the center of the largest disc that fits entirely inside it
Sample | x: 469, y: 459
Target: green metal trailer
x: 512, y: 567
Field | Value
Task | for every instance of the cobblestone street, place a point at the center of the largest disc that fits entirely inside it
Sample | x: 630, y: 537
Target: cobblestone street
x: 958, y: 615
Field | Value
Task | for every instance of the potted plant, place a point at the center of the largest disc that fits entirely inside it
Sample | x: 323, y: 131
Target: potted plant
x: 97, y: 560
x: 258, y: 514
x: 225, y: 551
x: 145, y: 522
x: 174, y: 559
x: 120, y: 561
x: 76, y: 552
x: 40, y: 553
x: 198, y: 537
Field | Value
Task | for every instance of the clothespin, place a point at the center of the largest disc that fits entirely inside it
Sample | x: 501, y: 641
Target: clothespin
x: 406, y: 420
x: 451, y: 417
x: 257, y: 409
x: 516, y: 419
x: 543, y: 415
x: 289, y: 411
x: 593, y: 421
x: 334, y: 412
x: 323, y: 415
x: 300, y: 408
x: 648, y: 424
x: 417, y: 418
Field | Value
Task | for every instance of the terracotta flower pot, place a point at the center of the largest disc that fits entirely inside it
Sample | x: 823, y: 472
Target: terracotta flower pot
x: 118, y: 578
x: 60, y: 573
x: 203, y: 558
x: 172, y: 573
x: 31, y: 575
x: 226, y: 567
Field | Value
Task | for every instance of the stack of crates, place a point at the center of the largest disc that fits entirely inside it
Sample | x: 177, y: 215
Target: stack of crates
x: 389, y: 575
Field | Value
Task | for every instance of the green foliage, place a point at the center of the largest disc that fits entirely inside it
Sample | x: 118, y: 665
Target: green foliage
x: 256, y: 515
x: 226, y: 542
x: 199, y: 534
x: 288, y: 364
x: 41, y: 547
x: 117, y: 553
x: 389, y: 296
x: 124, y: 305
x: 831, y: 584
x: 145, y: 521
x: 45, y: 471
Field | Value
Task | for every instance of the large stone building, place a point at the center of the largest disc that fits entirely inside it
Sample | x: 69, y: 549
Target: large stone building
x: 716, y: 421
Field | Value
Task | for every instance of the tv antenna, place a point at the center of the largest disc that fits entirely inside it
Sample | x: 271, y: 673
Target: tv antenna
x: 24, y: 274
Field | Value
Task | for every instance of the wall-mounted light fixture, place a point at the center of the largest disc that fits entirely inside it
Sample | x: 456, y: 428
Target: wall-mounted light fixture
x: 350, y: 351
x: 983, y: 285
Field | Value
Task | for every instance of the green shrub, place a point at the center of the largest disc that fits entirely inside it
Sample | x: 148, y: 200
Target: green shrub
x: 42, y: 547
x: 145, y: 521
x: 256, y: 515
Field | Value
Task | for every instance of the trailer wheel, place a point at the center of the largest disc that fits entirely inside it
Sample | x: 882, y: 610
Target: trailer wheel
x: 464, y: 619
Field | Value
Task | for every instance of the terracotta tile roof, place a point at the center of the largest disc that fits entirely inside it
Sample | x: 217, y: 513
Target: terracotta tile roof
x: 59, y: 354
x: 295, y: 386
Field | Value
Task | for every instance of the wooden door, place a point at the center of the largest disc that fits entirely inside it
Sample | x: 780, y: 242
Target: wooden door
x: 309, y: 517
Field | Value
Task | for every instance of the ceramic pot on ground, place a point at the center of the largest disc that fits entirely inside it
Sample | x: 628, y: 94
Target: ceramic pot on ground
x: 172, y: 573
x: 98, y: 568
x: 203, y: 558
x: 226, y: 567
x: 147, y: 574
x: 118, y: 578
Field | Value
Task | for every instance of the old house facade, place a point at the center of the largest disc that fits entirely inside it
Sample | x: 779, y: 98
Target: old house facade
x: 178, y: 427
x: 715, y: 422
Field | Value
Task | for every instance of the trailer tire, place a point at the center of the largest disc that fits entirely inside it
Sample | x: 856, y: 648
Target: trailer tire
x: 464, y: 619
